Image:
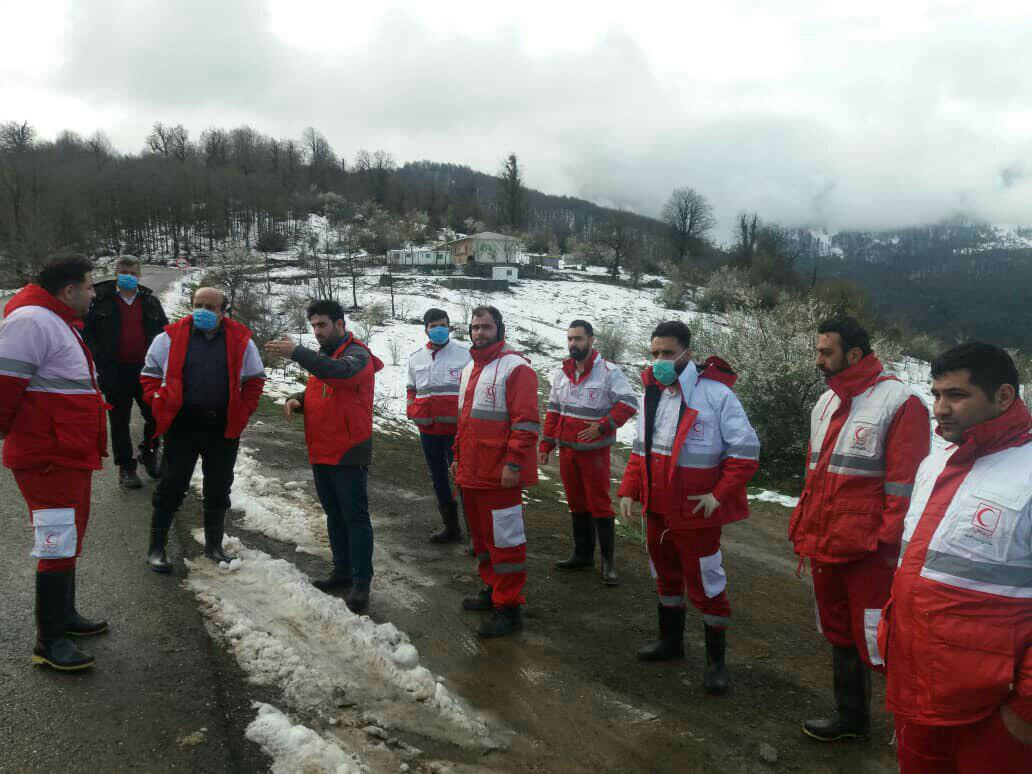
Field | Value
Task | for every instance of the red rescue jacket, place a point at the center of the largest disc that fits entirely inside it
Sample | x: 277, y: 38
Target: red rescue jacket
x: 51, y: 409
x: 956, y: 633
x: 498, y: 418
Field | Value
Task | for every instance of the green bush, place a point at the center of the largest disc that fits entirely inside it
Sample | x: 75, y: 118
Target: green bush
x: 611, y: 341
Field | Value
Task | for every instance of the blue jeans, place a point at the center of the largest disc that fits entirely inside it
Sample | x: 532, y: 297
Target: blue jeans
x: 438, y: 452
x: 342, y: 492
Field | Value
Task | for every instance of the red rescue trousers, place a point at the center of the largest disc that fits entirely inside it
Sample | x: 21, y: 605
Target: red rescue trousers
x: 495, y: 518
x: 585, y: 477
x: 850, y: 598
x: 689, y: 560
x: 59, y: 508
x: 985, y: 746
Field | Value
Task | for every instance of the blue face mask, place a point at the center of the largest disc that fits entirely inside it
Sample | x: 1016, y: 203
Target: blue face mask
x: 664, y: 372
x: 128, y: 281
x: 204, y: 319
x: 438, y: 335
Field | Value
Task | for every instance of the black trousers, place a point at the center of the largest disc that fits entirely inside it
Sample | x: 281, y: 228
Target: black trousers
x: 122, y: 388
x: 196, y: 434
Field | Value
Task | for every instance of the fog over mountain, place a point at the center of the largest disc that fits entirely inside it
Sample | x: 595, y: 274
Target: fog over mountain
x: 816, y: 113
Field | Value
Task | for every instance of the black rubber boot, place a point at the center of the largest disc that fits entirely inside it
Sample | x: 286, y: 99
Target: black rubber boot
x: 450, y: 533
x: 852, y: 688
x: 479, y: 602
x: 214, y: 531
x: 338, y: 580
x: 150, y: 459
x: 156, y: 556
x: 583, y: 555
x: 127, y: 478
x: 670, y: 644
x: 358, y: 598
x: 606, y: 529
x: 716, y: 681
x: 53, y: 601
x: 77, y: 626
x: 505, y: 620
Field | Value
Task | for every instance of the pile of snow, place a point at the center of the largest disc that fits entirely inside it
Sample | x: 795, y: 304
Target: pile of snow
x: 767, y: 496
x: 294, y: 747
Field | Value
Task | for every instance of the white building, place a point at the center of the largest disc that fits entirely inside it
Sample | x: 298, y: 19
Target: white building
x: 420, y: 256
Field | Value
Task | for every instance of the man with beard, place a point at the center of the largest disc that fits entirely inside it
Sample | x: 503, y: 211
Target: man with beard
x: 868, y: 434
x: 52, y: 417
x: 494, y: 462
x: 589, y: 399
x: 338, y: 407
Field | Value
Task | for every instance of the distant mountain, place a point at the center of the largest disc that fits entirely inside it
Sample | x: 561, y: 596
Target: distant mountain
x: 956, y: 280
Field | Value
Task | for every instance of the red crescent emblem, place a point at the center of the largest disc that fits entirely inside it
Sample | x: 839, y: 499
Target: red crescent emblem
x: 980, y: 513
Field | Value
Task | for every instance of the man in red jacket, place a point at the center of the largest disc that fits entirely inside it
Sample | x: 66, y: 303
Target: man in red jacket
x: 589, y: 399
x: 868, y: 434
x: 202, y: 378
x: 957, y: 630
x: 693, y: 456
x: 494, y: 461
x: 52, y: 420
x: 338, y: 408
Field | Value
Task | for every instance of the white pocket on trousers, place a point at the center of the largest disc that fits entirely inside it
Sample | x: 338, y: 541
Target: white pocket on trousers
x: 508, y: 527
x: 714, y: 580
x: 55, y: 533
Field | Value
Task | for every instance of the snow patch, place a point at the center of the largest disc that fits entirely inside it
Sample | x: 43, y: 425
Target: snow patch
x: 295, y: 747
x: 767, y: 496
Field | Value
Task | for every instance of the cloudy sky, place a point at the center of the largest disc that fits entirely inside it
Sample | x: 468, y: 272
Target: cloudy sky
x: 833, y: 112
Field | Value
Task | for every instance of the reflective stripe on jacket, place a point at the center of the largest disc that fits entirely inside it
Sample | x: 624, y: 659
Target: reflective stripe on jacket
x: 600, y: 394
x: 433, y: 387
x: 498, y: 418
x: 868, y: 434
x: 51, y: 409
x: 693, y: 441
x: 957, y: 630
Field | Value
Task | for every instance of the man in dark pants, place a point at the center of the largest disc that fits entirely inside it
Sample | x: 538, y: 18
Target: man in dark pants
x: 433, y: 405
x: 338, y: 407
x: 202, y: 378
x: 121, y: 324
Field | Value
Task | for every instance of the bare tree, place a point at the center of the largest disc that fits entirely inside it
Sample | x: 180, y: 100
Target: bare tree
x: 511, y: 195
x: 690, y: 217
x: 215, y: 147
x: 169, y: 141
x: 617, y: 241
x: 15, y: 137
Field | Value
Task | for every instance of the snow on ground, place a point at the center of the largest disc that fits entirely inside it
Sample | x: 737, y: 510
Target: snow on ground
x: 767, y: 496
x: 295, y: 748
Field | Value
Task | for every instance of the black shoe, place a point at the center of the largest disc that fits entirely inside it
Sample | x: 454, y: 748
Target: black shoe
x: 53, y: 602
x: 716, y: 681
x: 77, y: 626
x: 479, y: 602
x: 505, y: 620
x: 670, y: 644
x: 150, y: 459
x: 583, y: 555
x: 214, y: 531
x: 358, y: 598
x: 852, y: 688
x: 156, y: 557
x: 336, y: 581
x: 606, y: 529
x: 127, y: 478
x: 450, y: 532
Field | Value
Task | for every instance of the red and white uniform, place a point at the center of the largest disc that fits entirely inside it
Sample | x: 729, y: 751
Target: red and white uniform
x: 957, y: 630
x: 433, y: 387
x: 52, y: 416
x: 693, y: 439
x: 868, y: 434
x: 498, y: 426
x: 602, y: 394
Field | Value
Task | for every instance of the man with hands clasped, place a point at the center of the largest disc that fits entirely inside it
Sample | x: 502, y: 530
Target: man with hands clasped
x: 694, y: 453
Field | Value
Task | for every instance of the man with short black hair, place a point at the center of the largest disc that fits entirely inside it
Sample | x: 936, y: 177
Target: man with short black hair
x: 432, y: 394
x: 203, y: 378
x: 337, y: 404
x: 694, y: 453
x: 52, y: 420
x: 494, y: 462
x: 868, y: 434
x: 957, y: 629
x: 589, y: 399
x: 123, y: 321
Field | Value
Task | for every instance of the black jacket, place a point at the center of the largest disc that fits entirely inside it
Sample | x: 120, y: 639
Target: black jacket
x: 102, y: 324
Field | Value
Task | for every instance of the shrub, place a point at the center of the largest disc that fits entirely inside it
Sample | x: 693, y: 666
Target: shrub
x: 726, y: 287
x: 271, y: 242
x: 611, y: 341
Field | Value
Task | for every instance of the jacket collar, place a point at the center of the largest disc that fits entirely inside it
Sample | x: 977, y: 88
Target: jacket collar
x: 856, y: 378
x: 34, y: 295
x: 1011, y: 428
x: 340, y: 346
x: 487, y: 354
x: 570, y: 367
